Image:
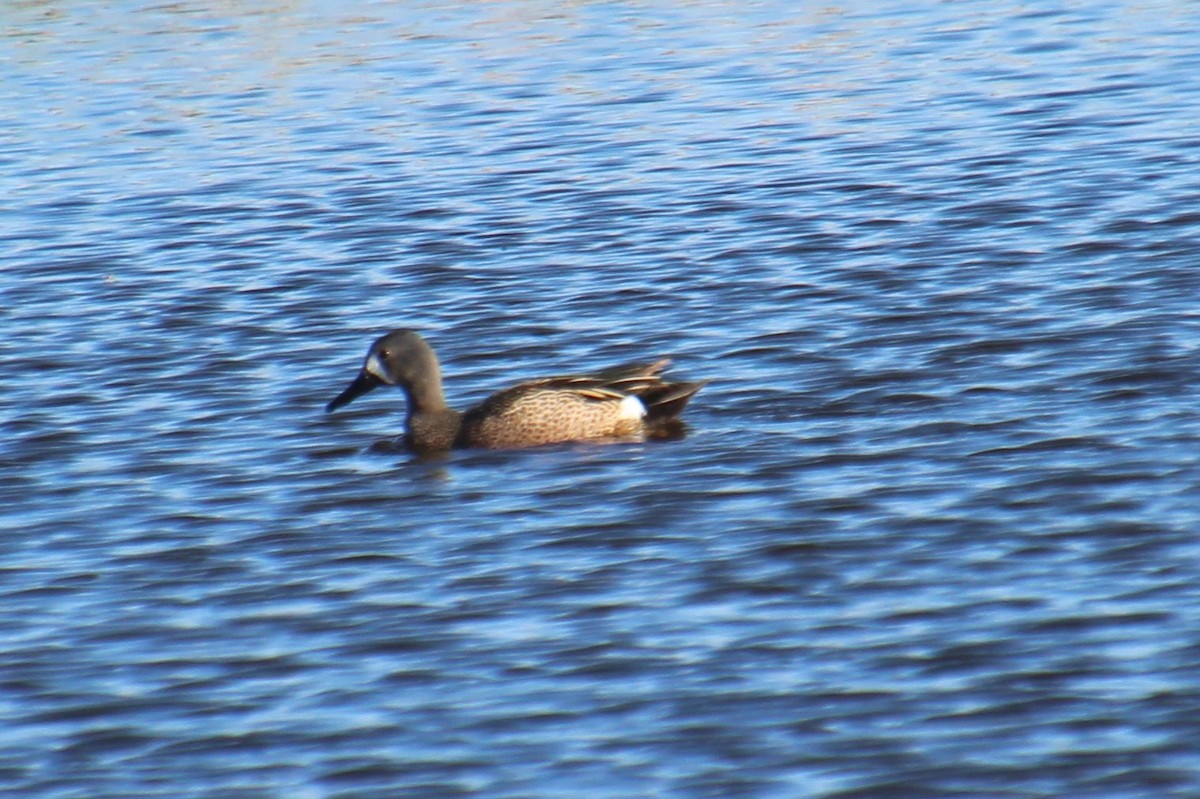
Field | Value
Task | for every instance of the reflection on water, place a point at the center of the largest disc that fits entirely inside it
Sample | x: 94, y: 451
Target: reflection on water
x: 930, y: 531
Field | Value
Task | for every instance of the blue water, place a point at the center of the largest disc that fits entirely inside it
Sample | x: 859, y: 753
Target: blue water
x: 933, y: 528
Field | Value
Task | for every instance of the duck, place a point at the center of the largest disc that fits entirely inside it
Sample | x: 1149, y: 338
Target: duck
x: 629, y: 402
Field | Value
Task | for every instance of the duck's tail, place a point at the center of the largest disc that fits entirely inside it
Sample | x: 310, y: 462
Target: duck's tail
x: 666, y: 401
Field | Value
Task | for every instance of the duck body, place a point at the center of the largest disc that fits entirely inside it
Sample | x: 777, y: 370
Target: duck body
x: 628, y: 402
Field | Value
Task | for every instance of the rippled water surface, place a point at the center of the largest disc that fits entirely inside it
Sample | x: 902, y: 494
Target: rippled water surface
x: 933, y: 529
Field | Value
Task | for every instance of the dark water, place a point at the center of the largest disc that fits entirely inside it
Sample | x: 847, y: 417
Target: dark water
x: 933, y: 531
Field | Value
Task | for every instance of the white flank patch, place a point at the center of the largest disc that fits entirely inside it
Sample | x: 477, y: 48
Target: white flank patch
x: 632, y: 408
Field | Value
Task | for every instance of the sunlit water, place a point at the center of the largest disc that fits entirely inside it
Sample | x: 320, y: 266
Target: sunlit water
x: 933, y: 530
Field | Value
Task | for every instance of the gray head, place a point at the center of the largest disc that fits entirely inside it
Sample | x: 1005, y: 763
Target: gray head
x: 400, y: 358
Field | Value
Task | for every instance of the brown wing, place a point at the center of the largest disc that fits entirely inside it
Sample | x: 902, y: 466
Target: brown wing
x: 576, y: 407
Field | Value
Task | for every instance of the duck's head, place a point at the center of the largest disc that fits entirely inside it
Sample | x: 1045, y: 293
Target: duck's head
x: 400, y: 358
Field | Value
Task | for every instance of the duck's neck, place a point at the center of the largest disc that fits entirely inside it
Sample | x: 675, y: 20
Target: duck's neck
x: 431, y: 423
x: 424, y: 395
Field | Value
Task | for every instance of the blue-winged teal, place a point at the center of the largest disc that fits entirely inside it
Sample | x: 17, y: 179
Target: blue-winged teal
x: 626, y: 402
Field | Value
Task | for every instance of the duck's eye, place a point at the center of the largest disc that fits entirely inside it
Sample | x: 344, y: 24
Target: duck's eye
x: 383, y: 354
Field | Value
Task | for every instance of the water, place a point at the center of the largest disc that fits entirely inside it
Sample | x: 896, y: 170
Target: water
x: 932, y: 530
